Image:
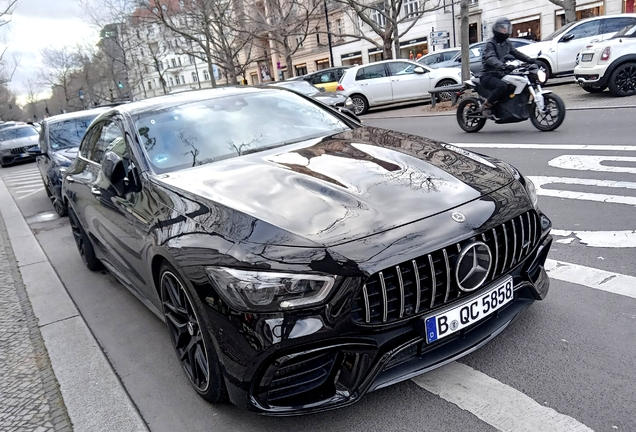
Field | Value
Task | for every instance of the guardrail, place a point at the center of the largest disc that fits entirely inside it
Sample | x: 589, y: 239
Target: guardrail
x: 453, y: 90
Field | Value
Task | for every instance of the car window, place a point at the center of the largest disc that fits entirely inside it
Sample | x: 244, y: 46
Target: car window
x: 326, y: 77
x: 16, y: 133
x: 401, y: 68
x: 313, y: 79
x: 370, y: 72
x: 68, y: 133
x: 449, y: 55
x: 339, y: 73
x: 179, y: 137
x: 560, y: 31
x: 89, y: 141
x: 584, y: 30
x: 475, y: 52
x: 611, y: 25
x: 432, y: 59
x: 629, y: 32
x: 110, y: 139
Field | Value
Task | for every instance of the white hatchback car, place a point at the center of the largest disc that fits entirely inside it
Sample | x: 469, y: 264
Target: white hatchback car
x: 557, y: 52
x: 390, y: 81
x: 611, y: 63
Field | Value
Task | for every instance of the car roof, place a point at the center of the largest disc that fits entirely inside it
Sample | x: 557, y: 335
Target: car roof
x: 76, y: 114
x: 441, y: 51
x: 328, y: 69
x: 18, y: 126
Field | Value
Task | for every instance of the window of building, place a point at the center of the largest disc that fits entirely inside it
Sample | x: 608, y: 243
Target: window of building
x: 339, y: 26
x: 183, y: 79
x: 410, y: 7
x: 149, y: 85
x: 377, y: 14
x: 299, y: 41
x: 301, y: 69
x: 177, y: 80
x: 174, y: 62
x: 171, y: 81
x: 206, y: 75
x: 160, y: 65
x: 191, y: 58
x: 473, y: 3
x: 179, y: 58
x: 317, y: 37
x: 195, y: 78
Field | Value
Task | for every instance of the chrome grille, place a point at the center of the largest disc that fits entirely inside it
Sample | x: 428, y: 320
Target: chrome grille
x: 19, y: 150
x: 417, y: 286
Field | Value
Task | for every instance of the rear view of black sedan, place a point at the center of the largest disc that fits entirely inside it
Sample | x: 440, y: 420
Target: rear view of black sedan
x: 298, y: 258
x: 60, y: 137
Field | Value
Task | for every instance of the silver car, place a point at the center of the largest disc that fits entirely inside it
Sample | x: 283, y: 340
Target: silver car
x: 15, y: 142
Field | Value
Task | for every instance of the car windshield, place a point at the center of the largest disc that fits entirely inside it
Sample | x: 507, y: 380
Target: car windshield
x: 630, y: 30
x: 68, y: 133
x: 559, y: 32
x: 299, y: 86
x: 231, y: 126
x: 22, y: 132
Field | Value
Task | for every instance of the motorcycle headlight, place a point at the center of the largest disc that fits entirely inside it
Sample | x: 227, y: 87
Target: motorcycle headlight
x: 261, y: 291
x: 348, y: 104
x: 541, y: 75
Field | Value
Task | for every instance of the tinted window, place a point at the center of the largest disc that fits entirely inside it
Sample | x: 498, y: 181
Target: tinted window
x: 584, y: 30
x: 111, y: 139
x: 16, y: 133
x: 401, y: 68
x: 68, y: 133
x: 449, y: 55
x: 89, y: 142
x: 179, y: 137
x: 370, y: 72
x: 560, y: 31
x: 629, y: 31
x: 326, y: 77
x: 612, y: 25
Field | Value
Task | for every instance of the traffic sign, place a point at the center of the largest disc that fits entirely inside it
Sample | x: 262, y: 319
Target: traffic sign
x: 439, y: 41
x: 439, y: 34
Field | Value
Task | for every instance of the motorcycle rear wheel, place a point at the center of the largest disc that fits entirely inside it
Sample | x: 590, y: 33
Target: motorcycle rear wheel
x: 553, y: 115
x: 470, y: 107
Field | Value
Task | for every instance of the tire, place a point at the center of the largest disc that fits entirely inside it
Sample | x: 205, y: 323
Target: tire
x: 622, y: 82
x: 592, y: 89
x: 553, y: 115
x: 360, y: 104
x: 445, y: 96
x: 543, y: 65
x: 189, y: 335
x: 470, y: 106
x: 58, y: 205
x: 84, y: 245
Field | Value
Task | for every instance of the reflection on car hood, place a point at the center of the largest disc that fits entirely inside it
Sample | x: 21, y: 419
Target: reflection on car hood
x: 330, y: 98
x: 346, y: 186
x: 69, y: 153
x: 19, y: 142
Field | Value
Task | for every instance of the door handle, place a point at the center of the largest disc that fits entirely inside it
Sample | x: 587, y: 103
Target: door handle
x: 70, y: 179
x: 96, y: 192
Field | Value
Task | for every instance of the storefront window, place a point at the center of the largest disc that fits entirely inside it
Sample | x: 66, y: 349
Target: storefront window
x: 301, y: 70
x: 530, y: 30
x: 581, y: 14
x: 417, y: 51
x: 376, y: 56
x: 322, y: 64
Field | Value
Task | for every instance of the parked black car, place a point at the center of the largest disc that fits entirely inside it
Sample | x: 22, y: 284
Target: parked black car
x: 299, y: 258
x: 60, y: 137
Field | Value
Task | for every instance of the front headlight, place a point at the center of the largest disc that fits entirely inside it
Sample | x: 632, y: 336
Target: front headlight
x: 348, y: 104
x: 532, y: 191
x: 541, y: 75
x: 259, y: 291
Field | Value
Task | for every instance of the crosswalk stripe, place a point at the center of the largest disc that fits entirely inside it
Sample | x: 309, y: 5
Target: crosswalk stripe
x: 29, y: 186
x: 23, y: 172
x: 494, y: 402
x: 33, y: 192
x: 602, y: 239
x: 541, y: 181
x: 590, y: 147
x: 14, y: 184
x: 12, y: 178
x: 603, y: 280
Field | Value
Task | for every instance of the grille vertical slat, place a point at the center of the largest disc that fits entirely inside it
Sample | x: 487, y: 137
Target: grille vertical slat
x: 433, y: 280
x: 401, y: 285
x: 417, y: 286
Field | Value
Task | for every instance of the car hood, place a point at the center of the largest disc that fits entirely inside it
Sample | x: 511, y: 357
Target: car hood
x: 69, y: 153
x: 19, y: 142
x: 343, y: 187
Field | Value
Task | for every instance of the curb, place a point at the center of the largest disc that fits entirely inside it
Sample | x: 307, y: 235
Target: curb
x: 94, y: 397
x: 452, y: 113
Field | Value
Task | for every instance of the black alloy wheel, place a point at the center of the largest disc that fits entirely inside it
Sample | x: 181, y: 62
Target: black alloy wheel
x: 469, y: 115
x: 444, y: 96
x: 622, y: 82
x: 189, y: 338
x: 84, y: 245
x: 360, y: 104
x: 552, y: 116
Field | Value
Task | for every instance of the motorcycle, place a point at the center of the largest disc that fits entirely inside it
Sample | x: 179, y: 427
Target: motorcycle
x: 527, y: 100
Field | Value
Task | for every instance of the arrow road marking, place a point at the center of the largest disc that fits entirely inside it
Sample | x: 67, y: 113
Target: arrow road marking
x: 540, y: 181
x: 494, y: 402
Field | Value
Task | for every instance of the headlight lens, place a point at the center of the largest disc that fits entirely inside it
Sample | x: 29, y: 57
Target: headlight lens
x: 532, y: 191
x: 256, y: 291
x: 348, y: 104
x: 541, y: 75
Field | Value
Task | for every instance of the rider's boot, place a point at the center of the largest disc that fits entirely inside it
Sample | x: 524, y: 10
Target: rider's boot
x: 486, y: 110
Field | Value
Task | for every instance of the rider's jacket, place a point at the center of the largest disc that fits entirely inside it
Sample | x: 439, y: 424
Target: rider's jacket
x: 492, y: 59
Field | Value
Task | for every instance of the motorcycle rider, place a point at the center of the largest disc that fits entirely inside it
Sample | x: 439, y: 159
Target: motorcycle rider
x: 493, y: 63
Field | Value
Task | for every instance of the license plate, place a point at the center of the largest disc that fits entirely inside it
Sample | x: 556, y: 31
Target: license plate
x: 587, y: 57
x: 467, y: 313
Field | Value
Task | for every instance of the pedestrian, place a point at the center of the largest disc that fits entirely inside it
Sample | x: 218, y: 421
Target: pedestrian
x: 410, y: 55
x: 419, y: 55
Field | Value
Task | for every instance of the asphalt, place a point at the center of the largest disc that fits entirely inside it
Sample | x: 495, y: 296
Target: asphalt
x: 59, y: 378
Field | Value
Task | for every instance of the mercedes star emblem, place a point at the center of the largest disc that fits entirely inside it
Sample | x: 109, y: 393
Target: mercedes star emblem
x: 473, y: 266
x: 458, y: 217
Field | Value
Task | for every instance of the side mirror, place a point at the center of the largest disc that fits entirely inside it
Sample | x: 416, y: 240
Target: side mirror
x: 349, y: 114
x: 419, y: 70
x: 36, y: 151
x: 568, y: 37
x: 114, y: 171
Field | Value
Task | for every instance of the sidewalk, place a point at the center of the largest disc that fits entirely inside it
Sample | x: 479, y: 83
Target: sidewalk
x: 574, y: 97
x: 54, y: 375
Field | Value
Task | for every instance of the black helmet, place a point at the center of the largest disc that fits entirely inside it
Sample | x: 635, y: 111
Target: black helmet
x: 501, y: 29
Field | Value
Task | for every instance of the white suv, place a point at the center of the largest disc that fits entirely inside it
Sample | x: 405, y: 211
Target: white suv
x: 559, y: 50
x: 391, y: 81
x: 609, y: 64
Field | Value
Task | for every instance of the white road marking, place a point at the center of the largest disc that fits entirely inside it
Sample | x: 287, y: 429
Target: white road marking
x: 540, y: 181
x: 607, y: 239
x: 603, y: 280
x: 494, y: 402
x: 22, y: 177
x: 592, y: 147
x: 593, y: 163
x: 21, y: 173
x: 24, y: 183
x: 35, y: 191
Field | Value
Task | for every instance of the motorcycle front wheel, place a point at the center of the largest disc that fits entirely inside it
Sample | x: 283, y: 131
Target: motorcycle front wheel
x: 552, y: 116
x: 469, y: 115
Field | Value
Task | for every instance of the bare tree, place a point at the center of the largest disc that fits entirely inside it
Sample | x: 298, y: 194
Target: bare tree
x: 33, y: 89
x: 569, y: 7
x: 285, y: 23
x: 6, y: 69
x: 59, y: 66
x: 383, y: 18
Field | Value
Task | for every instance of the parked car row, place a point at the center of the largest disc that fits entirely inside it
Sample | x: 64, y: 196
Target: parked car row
x: 298, y: 258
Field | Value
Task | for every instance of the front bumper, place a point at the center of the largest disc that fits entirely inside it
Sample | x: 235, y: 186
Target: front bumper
x: 11, y: 156
x: 333, y: 364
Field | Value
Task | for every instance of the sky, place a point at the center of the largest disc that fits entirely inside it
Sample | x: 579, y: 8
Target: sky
x: 37, y: 24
